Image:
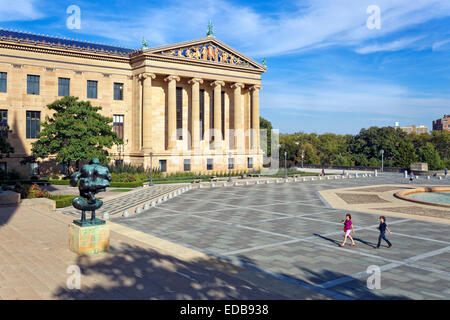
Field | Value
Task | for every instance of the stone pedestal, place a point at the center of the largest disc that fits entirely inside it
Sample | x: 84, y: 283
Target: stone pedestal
x: 9, y: 198
x: 88, y: 239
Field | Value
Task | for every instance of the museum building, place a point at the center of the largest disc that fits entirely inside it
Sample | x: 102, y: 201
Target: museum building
x: 190, y: 106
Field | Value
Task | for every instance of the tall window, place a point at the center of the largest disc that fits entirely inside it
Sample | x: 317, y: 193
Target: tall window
x: 179, y: 113
x: 209, y: 164
x: 3, y: 123
x: 118, y: 125
x: 32, y: 84
x: 63, y: 87
x: 162, y: 165
x: 202, y: 113
x: 187, y: 165
x: 34, y: 169
x: 230, y: 163
x: 92, y: 89
x: 118, y: 91
x: 2, y: 81
x: 249, y: 163
x: 33, y: 125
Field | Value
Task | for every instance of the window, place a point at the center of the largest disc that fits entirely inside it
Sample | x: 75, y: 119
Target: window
x: 162, y: 165
x: 187, y: 165
x: 179, y: 113
x: 202, y: 113
x: 3, y: 167
x: 63, y: 168
x: 34, y: 169
x: 33, y: 84
x: 209, y: 164
x: 249, y: 163
x: 63, y: 87
x: 230, y: 163
x: 4, y: 123
x: 118, y: 91
x: 92, y: 89
x: 119, y: 163
x: 118, y: 125
x: 2, y: 81
x: 33, y: 125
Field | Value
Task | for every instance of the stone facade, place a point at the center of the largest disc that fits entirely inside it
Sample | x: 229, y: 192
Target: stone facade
x: 151, y: 78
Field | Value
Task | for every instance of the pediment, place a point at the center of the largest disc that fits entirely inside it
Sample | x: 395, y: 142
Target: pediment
x: 208, y: 50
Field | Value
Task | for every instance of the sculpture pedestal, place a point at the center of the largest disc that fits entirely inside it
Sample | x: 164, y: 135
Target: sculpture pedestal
x: 87, y: 239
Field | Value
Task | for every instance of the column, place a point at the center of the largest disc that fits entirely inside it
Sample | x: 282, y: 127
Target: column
x: 146, y: 80
x: 239, y: 133
x: 255, y: 119
x: 195, y: 118
x: 172, y: 110
x: 218, y: 113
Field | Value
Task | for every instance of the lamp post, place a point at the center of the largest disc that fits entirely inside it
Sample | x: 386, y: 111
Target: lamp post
x: 303, y: 156
x: 151, y: 169
x: 285, y: 165
x: 229, y: 167
x: 382, y: 160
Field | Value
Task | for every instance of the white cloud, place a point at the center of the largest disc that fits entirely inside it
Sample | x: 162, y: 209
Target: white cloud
x: 389, y: 46
x: 20, y: 10
x: 308, y: 24
x: 355, y: 95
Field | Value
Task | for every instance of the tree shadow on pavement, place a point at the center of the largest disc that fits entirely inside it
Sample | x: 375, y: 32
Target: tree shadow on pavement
x: 133, y: 272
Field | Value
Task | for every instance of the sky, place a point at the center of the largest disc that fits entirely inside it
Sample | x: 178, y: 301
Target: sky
x: 333, y: 66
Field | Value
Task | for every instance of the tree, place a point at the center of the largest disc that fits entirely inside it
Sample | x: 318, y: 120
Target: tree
x: 266, y: 145
x: 75, y: 132
x: 428, y: 154
x: 5, y: 148
x: 406, y: 154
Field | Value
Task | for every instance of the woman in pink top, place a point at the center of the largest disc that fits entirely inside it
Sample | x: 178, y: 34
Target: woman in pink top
x: 348, y: 227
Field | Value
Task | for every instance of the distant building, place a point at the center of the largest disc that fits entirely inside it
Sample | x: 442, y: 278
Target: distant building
x: 442, y: 124
x: 415, y: 129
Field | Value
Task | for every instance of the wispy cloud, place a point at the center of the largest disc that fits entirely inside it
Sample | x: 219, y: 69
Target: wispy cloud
x: 308, y: 24
x: 356, y: 95
x: 389, y: 46
x: 19, y: 10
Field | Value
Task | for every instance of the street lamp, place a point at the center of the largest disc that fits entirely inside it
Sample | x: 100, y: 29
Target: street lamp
x: 229, y: 167
x: 285, y: 165
x: 151, y: 169
x: 382, y: 160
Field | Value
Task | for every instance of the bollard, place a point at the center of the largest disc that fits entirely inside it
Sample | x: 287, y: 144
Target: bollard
x: 125, y: 214
x: 138, y: 210
x: 406, y: 174
x: 153, y: 204
x: 146, y: 206
x: 106, y: 215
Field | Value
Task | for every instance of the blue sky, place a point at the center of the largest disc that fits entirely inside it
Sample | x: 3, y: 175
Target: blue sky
x: 327, y: 71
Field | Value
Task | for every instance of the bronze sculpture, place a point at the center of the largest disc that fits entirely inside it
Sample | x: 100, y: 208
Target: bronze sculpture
x: 93, y: 178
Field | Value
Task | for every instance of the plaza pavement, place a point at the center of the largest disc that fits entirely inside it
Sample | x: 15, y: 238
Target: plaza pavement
x: 276, y: 241
x: 288, y: 232
x: 35, y: 257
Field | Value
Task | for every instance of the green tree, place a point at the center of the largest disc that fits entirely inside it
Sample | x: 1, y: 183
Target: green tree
x: 75, y: 132
x: 428, y: 154
x: 266, y: 145
x: 5, y: 148
x: 406, y: 154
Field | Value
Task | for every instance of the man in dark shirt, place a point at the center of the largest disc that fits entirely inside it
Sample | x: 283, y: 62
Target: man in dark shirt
x: 383, y: 227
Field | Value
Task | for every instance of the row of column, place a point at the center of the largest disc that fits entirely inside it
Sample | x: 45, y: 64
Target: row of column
x: 239, y: 142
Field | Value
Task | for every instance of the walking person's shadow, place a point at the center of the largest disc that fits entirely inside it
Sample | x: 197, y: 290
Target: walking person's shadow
x: 338, y: 243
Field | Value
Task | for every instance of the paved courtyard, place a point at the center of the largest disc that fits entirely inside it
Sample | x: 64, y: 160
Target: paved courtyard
x: 287, y: 231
